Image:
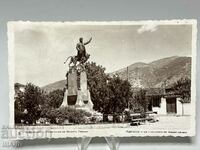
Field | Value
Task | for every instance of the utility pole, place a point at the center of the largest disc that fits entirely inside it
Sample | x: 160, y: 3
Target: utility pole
x: 127, y: 74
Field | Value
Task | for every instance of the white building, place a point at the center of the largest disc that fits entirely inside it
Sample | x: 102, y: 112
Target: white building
x: 163, y: 102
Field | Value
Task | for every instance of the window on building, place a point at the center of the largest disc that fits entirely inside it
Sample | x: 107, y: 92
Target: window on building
x: 156, y: 101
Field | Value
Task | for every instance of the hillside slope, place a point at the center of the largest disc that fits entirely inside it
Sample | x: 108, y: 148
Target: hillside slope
x: 157, y: 73
x: 141, y: 75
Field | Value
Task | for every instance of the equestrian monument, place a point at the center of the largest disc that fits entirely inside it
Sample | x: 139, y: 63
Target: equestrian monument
x: 77, y: 94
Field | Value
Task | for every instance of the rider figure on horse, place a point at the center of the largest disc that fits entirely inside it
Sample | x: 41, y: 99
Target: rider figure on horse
x: 82, y: 56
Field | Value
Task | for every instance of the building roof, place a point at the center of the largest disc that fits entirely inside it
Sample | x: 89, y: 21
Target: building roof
x: 155, y: 92
x: 168, y: 92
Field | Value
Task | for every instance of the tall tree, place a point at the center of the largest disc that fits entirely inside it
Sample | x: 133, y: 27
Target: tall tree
x: 110, y: 95
x: 30, y: 100
x: 183, y: 88
x: 119, y: 93
x: 55, y: 98
x: 140, y: 99
x: 97, y: 80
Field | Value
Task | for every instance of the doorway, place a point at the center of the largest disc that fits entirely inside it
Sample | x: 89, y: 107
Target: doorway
x: 171, y: 105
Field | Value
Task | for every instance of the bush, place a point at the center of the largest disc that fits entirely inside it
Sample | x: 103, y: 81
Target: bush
x: 19, y: 116
x: 59, y: 115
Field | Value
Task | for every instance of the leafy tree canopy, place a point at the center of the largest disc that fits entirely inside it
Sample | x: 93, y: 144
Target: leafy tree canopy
x: 109, y: 94
x: 183, y: 88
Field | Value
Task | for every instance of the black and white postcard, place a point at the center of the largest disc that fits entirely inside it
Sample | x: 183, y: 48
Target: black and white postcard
x: 97, y: 79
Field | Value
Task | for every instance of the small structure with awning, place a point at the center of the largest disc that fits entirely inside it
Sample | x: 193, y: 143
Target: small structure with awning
x: 166, y: 102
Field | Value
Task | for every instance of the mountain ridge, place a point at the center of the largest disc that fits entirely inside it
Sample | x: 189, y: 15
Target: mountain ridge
x: 157, y: 73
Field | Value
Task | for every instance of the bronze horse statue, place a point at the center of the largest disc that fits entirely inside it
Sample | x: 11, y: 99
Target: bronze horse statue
x: 81, y: 56
x: 74, y: 60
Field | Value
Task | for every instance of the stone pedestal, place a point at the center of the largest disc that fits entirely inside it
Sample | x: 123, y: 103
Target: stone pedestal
x: 72, y: 81
x: 75, y: 97
x: 65, y: 103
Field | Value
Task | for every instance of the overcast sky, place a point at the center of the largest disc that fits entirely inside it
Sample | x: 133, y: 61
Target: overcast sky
x: 41, y: 49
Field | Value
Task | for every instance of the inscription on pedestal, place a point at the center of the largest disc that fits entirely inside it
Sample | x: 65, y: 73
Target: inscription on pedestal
x: 83, y: 85
x: 72, y: 81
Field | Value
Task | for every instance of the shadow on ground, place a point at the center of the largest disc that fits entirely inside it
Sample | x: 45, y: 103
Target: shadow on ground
x: 130, y: 140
